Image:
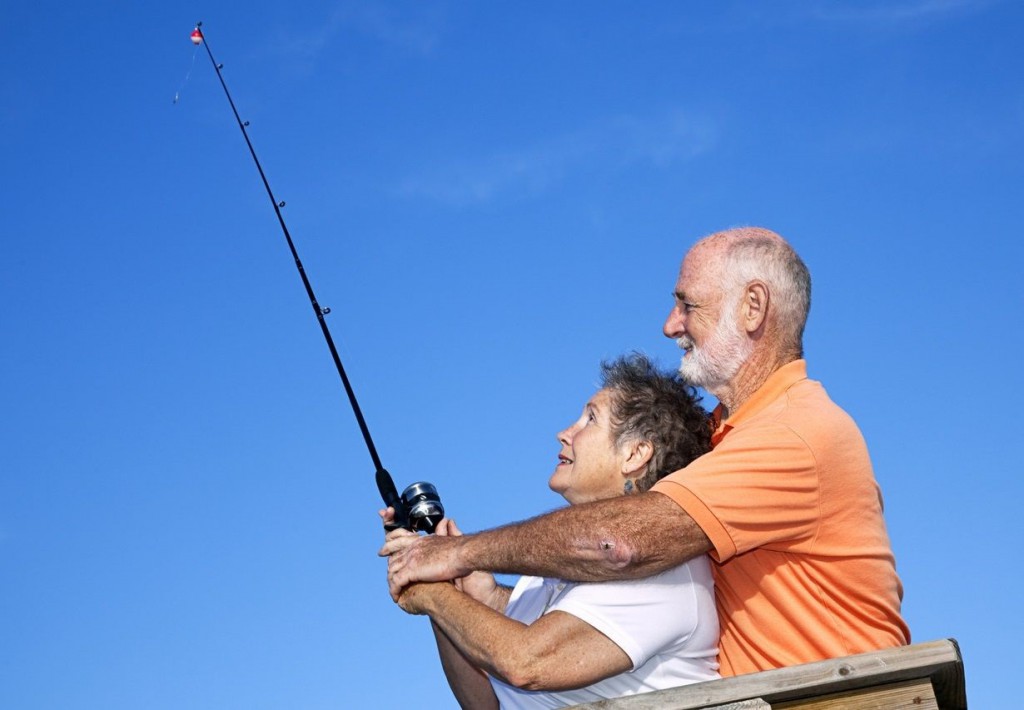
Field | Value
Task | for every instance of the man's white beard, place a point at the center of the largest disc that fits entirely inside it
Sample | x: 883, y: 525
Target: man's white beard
x: 717, y: 361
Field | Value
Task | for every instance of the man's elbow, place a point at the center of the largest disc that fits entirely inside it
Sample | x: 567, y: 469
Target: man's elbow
x: 618, y: 554
x: 614, y: 556
x: 652, y: 534
x: 637, y: 536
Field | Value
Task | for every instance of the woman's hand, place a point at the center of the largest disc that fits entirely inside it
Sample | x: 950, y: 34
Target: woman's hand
x: 400, y: 538
x: 478, y: 585
x: 416, y: 598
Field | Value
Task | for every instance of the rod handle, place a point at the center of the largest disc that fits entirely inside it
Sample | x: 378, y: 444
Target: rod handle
x: 389, y: 494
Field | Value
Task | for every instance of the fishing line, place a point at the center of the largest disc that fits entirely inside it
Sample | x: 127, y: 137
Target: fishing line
x: 419, y: 507
x: 177, y: 94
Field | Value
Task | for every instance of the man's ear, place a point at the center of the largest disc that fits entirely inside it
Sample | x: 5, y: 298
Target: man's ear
x: 640, y: 453
x: 755, y: 306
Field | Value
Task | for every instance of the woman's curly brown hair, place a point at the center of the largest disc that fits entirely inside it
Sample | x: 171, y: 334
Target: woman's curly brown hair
x: 648, y: 404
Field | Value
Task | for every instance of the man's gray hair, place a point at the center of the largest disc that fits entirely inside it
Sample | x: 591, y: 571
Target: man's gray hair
x: 756, y: 254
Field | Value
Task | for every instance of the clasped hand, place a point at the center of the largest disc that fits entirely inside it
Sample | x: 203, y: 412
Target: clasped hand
x: 414, y: 560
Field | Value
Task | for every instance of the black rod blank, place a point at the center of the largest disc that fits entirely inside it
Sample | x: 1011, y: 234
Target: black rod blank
x: 383, y: 478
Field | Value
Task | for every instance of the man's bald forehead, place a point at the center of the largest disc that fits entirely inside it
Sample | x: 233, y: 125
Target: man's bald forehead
x: 728, y: 237
x: 709, y: 253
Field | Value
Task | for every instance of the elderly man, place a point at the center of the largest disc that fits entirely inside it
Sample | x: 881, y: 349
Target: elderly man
x: 786, y: 502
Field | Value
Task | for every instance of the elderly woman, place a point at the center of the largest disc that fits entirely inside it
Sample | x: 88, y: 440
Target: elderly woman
x: 549, y: 643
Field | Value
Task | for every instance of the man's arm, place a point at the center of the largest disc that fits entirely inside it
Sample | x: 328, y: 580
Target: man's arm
x: 619, y: 538
x: 556, y: 652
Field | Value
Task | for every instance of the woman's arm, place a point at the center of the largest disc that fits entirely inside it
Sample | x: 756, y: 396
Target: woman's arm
x: 556, y: 652
x: 469, y: 684
x: 480, y: 585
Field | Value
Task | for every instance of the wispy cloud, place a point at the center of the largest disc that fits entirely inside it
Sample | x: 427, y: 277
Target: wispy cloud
x: 891, y: 12
x: 415, y: 32
x: 611, y: 144
x: 867, y: 14
x: 419, y: 34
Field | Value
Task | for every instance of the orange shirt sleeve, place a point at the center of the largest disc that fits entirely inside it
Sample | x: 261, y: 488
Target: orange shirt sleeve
x: 758, y: 488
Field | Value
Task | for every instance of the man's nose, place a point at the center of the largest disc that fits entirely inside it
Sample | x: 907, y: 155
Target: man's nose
x: 673, y: 327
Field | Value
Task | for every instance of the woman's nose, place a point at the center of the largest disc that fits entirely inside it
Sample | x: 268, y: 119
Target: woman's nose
x: 565, y: 436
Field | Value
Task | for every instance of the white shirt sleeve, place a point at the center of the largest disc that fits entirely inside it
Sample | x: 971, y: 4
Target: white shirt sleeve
x: 647, y: 616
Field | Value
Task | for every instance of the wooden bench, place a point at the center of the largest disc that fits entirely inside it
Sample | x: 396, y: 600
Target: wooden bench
x: 925, y: 676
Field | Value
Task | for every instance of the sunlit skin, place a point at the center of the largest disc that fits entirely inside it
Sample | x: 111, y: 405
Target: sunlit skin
x: 697, y: 306
x: 590, y: 466
x: 622, y: 537
x: 703, y: 322
x: 698, y: 312
x: 544, y: 654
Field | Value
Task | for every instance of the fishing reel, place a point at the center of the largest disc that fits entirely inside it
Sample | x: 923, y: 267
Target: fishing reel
x: 418, y: 508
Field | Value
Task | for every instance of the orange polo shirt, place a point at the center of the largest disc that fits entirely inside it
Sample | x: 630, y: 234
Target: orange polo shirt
x: 789, y: 500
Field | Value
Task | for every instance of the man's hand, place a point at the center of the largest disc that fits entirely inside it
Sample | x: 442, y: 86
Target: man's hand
x: 421, y: 559
x: 407, y: 563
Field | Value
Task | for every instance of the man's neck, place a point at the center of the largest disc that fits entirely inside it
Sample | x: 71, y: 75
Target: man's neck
x: 752, y: 375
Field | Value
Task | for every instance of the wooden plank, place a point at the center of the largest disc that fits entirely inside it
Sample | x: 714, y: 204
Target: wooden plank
x: 950, y: 685
x: 652, y: 701
x: 937, y: 661
x: 909, y: 695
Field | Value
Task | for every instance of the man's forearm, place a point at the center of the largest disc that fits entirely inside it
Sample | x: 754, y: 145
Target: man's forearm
x: 619, y: 538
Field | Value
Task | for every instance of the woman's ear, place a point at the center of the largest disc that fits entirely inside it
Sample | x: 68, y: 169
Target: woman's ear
x: 638, y: 456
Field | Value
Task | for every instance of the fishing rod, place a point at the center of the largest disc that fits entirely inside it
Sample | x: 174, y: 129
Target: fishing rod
x: 419, y: 507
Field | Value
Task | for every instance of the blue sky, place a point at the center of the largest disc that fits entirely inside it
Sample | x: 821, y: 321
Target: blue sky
x: 491, y: 198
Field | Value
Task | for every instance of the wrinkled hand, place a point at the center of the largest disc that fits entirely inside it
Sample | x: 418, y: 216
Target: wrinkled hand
x: 415, y: 598
x: 411, y: 558
x: 478, y: 585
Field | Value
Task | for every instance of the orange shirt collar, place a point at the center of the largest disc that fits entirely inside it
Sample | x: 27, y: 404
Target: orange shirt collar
x: 779, y: 381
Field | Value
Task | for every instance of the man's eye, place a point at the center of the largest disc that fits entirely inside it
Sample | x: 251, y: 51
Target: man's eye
x: 684, y: 305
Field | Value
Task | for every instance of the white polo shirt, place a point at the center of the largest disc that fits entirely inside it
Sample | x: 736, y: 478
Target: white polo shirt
x: 666, y: 624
